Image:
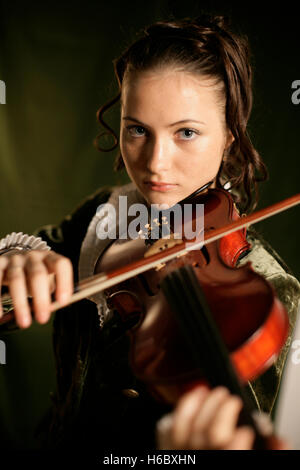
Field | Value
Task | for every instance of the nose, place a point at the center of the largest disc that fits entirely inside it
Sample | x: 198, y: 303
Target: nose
x: 159, y: 158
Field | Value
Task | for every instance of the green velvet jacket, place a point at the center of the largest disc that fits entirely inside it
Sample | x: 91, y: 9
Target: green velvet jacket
x: 93, y: 406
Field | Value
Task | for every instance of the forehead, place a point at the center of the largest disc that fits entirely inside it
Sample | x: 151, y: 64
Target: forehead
x: 173, y: 90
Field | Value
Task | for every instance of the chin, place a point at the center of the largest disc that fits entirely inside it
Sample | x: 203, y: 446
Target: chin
x: 167, y: 201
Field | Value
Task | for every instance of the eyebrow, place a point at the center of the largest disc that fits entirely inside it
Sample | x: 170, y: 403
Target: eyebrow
x: 129, y: 118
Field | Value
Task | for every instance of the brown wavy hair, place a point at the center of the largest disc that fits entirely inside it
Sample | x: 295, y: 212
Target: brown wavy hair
x: 205, y: 46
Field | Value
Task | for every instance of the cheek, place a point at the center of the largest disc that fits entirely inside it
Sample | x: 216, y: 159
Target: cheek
x: 127, y: 146
x: 125, y: 150
x: 211, y: 148
x: 122, y: 144
x: 132, y: 156
x: 205, y: 157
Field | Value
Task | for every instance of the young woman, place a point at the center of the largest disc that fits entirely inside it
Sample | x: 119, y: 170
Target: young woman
x: 185, y: 96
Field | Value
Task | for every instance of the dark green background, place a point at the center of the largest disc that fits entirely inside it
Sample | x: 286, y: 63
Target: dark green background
x: 56, y: 60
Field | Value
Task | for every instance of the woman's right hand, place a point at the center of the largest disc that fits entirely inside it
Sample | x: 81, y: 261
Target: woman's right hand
x: 36, y: 274
x: 207, y: 419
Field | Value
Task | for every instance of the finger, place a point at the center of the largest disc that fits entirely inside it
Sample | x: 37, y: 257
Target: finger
x: 63, y: 270
x: 276, y: 443
x: 243, y: 439
x: 38, y: 283
x: 163, y: 432
x: 184, y: 416
x: 210, y: 407
x: 3, y: 265
x: 18, y: 291
x: 222, y: 427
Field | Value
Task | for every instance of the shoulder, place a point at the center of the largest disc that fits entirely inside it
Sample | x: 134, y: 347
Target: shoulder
x: 262, y: 250
x: 267, y: 262
x: 90, y: 202
x: 103, y: 195
x: 66, y: 236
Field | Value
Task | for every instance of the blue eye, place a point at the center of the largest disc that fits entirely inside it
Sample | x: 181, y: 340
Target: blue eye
x: 136, y: 131
x: 140, y: 131
x: 191, y: 133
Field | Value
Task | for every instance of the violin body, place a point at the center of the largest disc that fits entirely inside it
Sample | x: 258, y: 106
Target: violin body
x: 251, y: 320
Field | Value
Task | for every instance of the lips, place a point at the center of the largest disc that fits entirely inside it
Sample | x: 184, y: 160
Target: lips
x: 160, y: 186
x: 163, y: 183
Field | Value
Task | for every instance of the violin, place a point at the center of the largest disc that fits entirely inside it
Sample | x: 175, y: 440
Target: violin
x: 247, y: 312
x: 153, y: 289
x: 192, y: 315
x: 187, y: 316
x: 220, y: 310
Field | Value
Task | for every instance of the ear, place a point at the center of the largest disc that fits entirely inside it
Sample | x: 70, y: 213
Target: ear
x: 229, y: 139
